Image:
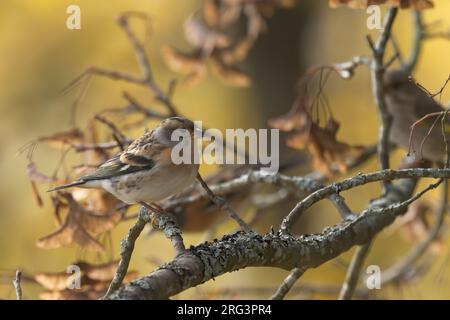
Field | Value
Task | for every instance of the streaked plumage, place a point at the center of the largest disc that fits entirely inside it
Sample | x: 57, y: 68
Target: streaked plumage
x: 144, y: 172
x: 407, y: 103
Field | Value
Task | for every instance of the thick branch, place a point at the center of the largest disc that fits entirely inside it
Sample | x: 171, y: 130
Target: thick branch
x: 239, y: 250
x: 378, y: 50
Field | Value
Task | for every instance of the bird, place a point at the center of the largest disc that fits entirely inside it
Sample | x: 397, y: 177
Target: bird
x: 144, y: 172
x: 407, y: 103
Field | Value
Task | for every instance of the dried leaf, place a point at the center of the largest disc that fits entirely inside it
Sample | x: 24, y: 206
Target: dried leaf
x: 326, y: 151
x: 184, y: 63
x: 324, y: 148
x: 100, y: 272
x: 211, y: 13
x: 54, y: 281
x: 200, y: 36
x: 229, y: 74
x: 68, y: 234
x: 255, y: 22
x: 236, y: 53
x: 75, y: 228
x: 195, y: 77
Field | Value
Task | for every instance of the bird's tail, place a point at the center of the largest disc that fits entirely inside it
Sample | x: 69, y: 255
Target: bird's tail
x: 64, y: 186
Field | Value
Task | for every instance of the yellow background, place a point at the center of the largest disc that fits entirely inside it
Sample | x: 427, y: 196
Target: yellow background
x: 39, y: 56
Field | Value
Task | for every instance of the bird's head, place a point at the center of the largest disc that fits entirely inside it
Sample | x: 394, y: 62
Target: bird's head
x: 396, y: 79
x: 167, y: 127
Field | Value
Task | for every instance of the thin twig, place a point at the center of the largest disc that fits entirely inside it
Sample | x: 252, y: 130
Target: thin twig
x: 378, y: 51
x: 352, y: 277
x: 400, y: 268
x: 145, y: 66
x: 17, y: 284
x: 377, y: 69
x: 126, y: 250
x: 287, y: 284
x: 221, y: 203
x: 417, y: 41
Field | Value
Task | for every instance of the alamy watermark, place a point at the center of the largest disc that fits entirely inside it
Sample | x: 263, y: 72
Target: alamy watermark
x: 253, y: 146
x: 73, y: 21
x: 373, y: 280
x: 374, y: 19
x: 73, y: 281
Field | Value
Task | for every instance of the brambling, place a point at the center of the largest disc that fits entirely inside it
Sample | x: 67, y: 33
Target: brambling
x: 407, y: 103
x: 144, y: 172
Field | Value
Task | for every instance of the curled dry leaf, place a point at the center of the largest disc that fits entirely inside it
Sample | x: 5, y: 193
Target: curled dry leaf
x: 191, y: 64
x: 81, y: 226
x: 255, y: 22
x: 361, y: 4
x: 68, y: 234
x: 95, y: 279
x: 231, y: 75
x: 101, y: 272
x: 211, y: 13
x: 326, y: 151
x: 236, y: 53
x: 181, y: 62
x: 200, y: 36
x: 57, y: 281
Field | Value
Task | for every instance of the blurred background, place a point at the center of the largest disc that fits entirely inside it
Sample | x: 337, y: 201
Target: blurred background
x: 40, y: 56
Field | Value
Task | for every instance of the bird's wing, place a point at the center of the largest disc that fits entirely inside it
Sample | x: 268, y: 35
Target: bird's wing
x: 116, y: 167
x: 143, y: 150
x: 424, y: 99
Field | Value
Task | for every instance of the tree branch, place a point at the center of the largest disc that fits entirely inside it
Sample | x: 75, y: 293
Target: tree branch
x: 239, y: 250
x: 287, y: 284
x: 352, y: 277
x: 17, y: 284
x: 378, y: 51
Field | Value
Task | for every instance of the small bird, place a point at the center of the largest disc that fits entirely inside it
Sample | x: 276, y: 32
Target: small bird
x: 144, y: 173
x: 407, y: 103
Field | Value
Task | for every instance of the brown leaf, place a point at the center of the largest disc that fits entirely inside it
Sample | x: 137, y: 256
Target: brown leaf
x: 255, y: 22
x: 200, y: 36
x: 76, y: 226
x: 100, y: 272
x: 184, y: 63
x: 236, y: 53
x: 324, y: 148
x: 68, y: 234
x: 54, y: 281
x: 326, y: 151
x: 229, y: 74
x: 211, y: 13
